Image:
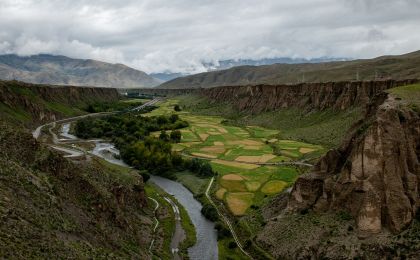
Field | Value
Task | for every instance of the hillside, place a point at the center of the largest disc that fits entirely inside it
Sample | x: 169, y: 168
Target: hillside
x: 32, y: 104
x: 386, y: 67
x: 52, y: 207
x: 61, y: 70
x: 360, y: 200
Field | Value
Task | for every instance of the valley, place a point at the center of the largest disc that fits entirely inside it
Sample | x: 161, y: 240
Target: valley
x: 217, y: 186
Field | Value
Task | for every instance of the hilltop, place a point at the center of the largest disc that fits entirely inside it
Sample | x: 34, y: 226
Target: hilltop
x: 62, y: 70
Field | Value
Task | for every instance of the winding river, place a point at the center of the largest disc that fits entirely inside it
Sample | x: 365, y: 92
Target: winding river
x: 206, y: 246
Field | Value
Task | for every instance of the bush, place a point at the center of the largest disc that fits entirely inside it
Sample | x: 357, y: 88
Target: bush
x: 145, y: 175
x: 232, y: 245
x: 209, y: 212
x: 177, y: 108
x: 176, y: 136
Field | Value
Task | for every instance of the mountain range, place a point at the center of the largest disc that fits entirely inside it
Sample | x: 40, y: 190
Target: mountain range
x: 385, y: 67
x: 61, y: 70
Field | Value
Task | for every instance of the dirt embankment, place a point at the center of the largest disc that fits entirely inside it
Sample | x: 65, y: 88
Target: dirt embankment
x: 40, y: 100
x: 307, y: 96
x: 374, y: 175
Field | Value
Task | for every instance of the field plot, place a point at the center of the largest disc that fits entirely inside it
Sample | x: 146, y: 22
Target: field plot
x: 244, y: 157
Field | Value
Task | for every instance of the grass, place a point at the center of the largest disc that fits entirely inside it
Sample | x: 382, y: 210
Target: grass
x: 326, y: 128
x: 409, y: 94
x: 192, y: 182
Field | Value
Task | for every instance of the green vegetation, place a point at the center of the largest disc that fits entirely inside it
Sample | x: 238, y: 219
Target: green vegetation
x: 236, y: 153
x: 409, y: 94
x: 326, y: 127
x: 121, y: 105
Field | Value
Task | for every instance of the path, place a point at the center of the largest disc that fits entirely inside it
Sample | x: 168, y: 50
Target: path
x: 225, y: 219
x: 156, y: 225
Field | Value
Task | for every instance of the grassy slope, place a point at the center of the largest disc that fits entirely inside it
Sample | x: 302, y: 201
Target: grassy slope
x: 395, y: 67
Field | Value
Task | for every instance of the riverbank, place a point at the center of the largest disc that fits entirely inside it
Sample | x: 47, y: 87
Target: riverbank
x: 178, y: 247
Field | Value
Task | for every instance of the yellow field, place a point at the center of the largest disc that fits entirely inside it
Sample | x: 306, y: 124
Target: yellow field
x: 247, y: 166
x: 239, y: 155
x: 239, y: 202
x: 273, y: 187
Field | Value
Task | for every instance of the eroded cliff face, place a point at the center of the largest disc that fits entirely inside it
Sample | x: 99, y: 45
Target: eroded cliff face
x: 32, y: 98
x: 374, y: 175
x: 307, y: 96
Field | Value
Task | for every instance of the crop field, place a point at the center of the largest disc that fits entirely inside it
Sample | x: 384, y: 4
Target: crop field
x: 248, y: 159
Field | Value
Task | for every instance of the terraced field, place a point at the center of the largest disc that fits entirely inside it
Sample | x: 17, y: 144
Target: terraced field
x: 248, y: 159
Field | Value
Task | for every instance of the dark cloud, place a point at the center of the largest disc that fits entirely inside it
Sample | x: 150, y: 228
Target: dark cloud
x: 179, y: 35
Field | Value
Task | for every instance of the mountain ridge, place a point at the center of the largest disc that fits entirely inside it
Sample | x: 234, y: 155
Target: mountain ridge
x: 396, y: 67
x: 62, y: 70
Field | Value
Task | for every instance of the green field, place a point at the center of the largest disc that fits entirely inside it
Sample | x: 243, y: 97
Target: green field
x: 243, y: 157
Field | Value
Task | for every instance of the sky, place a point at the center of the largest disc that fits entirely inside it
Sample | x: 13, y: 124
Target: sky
x: 181, y: 35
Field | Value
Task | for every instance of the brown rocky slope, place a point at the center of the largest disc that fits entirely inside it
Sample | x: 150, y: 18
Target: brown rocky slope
x: 374, y: 175
x: 362, y: 199
x: 307, y: 96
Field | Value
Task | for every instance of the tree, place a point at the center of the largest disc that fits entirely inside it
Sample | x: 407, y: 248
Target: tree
x: 173, y: 118
x: 206, y: 170
x: 177, y: 108
x: 163, y: 136
x: 176, y: 136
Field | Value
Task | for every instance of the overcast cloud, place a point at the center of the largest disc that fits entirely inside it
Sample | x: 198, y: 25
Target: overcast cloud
x: 179, y: 35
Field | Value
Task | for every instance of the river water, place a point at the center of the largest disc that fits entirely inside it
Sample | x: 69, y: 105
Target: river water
x: 206, y: 246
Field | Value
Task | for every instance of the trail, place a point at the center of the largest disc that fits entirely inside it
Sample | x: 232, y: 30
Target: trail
x: 156, y: 225
x: 225, y: 219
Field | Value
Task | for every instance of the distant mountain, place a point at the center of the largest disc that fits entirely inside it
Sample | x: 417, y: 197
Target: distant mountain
x: 385, y: 67
x: 227, y: 64
x: 61, y: 70
x: 166, y: 76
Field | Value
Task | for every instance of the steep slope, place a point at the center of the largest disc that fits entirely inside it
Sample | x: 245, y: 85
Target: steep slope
x: 386, y: 67
x: 34, y: 104
x: 361, y: 199
x: 61, y: 70
x: 51, y: 207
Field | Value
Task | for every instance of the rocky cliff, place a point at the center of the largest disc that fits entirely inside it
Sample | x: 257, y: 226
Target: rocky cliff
x: 307, y: 96
x: 45, y: 102
x: 374, y: 175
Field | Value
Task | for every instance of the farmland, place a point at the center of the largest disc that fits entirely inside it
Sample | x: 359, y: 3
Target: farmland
x: 251, y: 161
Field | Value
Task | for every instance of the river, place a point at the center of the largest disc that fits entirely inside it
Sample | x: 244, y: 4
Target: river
x: 206, y: 246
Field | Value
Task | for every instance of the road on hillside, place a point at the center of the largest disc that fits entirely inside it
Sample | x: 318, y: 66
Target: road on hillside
x: 37, y: 132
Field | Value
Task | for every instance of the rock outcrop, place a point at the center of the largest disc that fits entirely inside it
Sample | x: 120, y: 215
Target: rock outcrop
x: 38, y: 99
x: 374, y: 175
x: 307, y: 96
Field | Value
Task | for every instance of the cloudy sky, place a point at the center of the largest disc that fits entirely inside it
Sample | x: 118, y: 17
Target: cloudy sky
x: 179, y: 35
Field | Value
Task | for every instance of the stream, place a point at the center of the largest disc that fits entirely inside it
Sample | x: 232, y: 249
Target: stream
x: 206, y: 246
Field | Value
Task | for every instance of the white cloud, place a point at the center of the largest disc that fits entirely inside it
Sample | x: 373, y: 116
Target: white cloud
x: 181, y: 35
